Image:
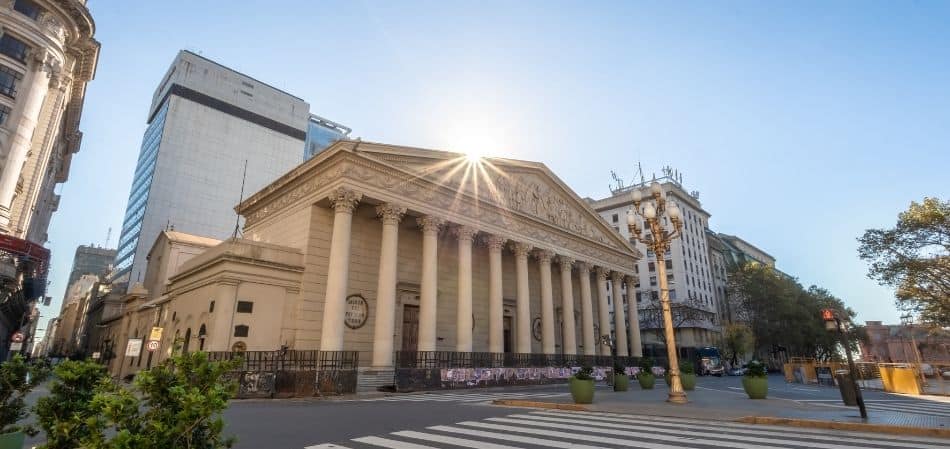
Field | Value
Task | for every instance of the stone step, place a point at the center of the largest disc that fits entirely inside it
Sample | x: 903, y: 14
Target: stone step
x: 370, y: 380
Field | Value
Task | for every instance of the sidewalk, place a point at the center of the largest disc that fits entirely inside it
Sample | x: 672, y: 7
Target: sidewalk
x: 707, y: 403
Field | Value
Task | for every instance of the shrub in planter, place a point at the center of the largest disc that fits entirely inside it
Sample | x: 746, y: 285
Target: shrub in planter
x: 621, y: 381
x: 64, y: 414
x: 582, y: 386
x: 17, y: 379
x: 645, y: 376
x: 756, y: 381
x: 688, y: 376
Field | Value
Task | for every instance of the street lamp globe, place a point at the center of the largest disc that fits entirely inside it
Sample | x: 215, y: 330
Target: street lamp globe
x: 649, y: 212
x: 637, y: 196
x: 655, y: 188
x: 674, y: 212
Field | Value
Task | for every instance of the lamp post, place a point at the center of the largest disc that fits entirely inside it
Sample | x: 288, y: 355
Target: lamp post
x: 651, y: 217
x: 606, y: 339
x: 834, y: 321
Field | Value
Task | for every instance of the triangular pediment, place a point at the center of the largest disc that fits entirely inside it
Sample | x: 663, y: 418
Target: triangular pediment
x: 521, y: 187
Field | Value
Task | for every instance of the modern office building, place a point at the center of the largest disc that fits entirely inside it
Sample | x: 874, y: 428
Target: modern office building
x: 47, y: 55
x: 688, y: 271
x: 90, y: 259
x: 205, y: 122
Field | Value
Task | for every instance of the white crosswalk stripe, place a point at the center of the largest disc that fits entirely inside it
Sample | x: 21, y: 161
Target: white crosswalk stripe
x: 457, y: 397
x: 597, y: 430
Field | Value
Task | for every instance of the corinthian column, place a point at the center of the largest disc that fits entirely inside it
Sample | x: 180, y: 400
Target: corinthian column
x: 603, y: 309
x: 523, y: 317
x: 547, y: 301
x: 496, y: 312
x: 430, y: 274
x: 391, y: 215
x: 567, y: 305
x: 620, y: 325
x: 463, y: 341
x: 587, y: 309
x: 633, y: 318
x: 334, y: 307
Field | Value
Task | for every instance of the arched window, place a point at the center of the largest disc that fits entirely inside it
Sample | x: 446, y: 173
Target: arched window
x: 202, y: 334
x: 184, y: 346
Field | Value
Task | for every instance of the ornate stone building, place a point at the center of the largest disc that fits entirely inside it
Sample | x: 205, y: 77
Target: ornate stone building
x: 385, y: 250
x: 47, y: 55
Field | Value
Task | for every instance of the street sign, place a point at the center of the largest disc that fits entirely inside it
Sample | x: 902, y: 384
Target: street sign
x: 134, y: 347
x: 16, y: 346
x: 827, y: 314
x: 17, y: 337
x: 96, y: 355
x: 153, y: 345
x: 156, y: 334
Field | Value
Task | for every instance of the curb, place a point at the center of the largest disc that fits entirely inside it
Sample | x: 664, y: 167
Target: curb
x: 537, y: 404
x: 836, y: 425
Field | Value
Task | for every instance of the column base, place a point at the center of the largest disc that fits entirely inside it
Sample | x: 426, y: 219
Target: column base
x: 677, y: 398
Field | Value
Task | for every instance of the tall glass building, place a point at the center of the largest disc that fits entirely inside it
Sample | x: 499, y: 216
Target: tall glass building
x: 206, y: 121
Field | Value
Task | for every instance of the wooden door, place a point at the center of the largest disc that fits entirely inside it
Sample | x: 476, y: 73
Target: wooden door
x: 507, y: 334
x: 410, y: 328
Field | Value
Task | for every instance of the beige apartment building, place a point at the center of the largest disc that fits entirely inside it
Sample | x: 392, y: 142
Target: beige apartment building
x: 380, y: 248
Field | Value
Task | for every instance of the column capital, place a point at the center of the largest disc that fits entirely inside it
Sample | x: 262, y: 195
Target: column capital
x: 582, y: 266
x: 463, y: 232
x: 630, y: 279
x: 520, y: 249
x: 544, y: 255
x: 344, y: 200
x: 566, y: 262
x: 495, y: 242
x: 602, y: 273
x: 616, y: 276
x: 430, y: 223
x: 390, y: 213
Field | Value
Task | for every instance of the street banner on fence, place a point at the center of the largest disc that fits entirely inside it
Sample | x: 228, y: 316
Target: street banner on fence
x: 134, y: 347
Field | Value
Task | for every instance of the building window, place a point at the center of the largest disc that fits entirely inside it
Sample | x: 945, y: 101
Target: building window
x: 245, y: 307
x: 8, y: 81
x: 669, y: 264
x: 652, y: 281
x: 13, y: 47
x: 4, y: 113
x: 616, y: 218
x: 654, y: 295
x: 649, y: 253
x: 241, y: 330
x: 211, y: 307
x: 639, y: 296
x: 651, y: 266
x: 27, y: 8
x: 636, y: 269
x: 202, y: 334
x: 673, y: 295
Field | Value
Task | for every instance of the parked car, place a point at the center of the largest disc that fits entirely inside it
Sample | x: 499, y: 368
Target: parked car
x: 737, y: 371
x: 710, y: 362
x: 927, y: 370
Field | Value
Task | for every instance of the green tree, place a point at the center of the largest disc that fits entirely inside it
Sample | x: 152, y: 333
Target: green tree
x: 176, y: 404
x: 737, y: 341
x: 914, y: 258
x: 17, y: 379
x: 66, y: 412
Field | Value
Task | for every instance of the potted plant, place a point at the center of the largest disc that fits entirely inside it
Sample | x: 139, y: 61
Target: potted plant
x: 756, y: 381
x: 17, y: 379
x: 645, y: 376
x: 688, y: 376
x: 621, y: 381
x: 582, y: 386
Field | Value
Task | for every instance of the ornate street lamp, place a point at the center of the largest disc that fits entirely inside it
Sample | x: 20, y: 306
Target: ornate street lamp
x: 650, y: 217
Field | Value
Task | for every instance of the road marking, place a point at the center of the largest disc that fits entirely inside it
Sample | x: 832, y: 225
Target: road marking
x: 327, y: 446
x: 514, y: 438
x: 451, y: 440
x: 575, y: 436
x: 391, y: 444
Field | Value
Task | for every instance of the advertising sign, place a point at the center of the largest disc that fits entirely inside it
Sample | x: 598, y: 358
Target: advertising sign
x: 134, y: 347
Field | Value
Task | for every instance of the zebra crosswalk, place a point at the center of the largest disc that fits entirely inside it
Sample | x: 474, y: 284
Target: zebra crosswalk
x: 458, y: 397
x: 917, y: 407
x: 590, y: 430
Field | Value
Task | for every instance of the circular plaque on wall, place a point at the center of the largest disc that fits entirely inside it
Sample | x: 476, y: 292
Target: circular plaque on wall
x: 357, y: 311
x: 536, y: 328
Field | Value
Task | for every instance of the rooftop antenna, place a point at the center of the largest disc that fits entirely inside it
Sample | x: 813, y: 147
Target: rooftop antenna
x: 237, y: 218
x: 640, y: 170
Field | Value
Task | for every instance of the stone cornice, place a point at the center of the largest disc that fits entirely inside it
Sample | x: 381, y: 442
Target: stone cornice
x: 311, y: 182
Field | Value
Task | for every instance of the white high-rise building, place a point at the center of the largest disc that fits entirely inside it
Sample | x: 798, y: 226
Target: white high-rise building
x: 688, y: 269
x: 205, y: 121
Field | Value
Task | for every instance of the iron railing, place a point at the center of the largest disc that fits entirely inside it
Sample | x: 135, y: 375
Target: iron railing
x: 289, y: 360
x: 452, y: 359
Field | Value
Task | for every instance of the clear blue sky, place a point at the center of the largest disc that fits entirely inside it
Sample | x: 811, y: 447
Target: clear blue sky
x: 801, y: 124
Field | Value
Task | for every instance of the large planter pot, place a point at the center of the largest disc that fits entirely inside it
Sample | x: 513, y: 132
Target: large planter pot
x: 756, y: 387
x: 582, y: 391
x: 688, y: 381
x: 12, y: 440
x: 646, y: 381
x: 621, y: 382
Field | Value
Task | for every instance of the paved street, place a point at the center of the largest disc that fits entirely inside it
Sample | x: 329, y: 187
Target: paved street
x: 465, y: 418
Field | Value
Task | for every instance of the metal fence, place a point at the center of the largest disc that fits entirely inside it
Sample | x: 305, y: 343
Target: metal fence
x: 289, y: 373
x: 452, y: 359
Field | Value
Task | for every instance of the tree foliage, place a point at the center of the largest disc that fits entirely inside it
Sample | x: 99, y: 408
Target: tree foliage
x: 783, y: 316
x: 686, y: 313
x: 65, y: 412
x: 914, y: 259
x: 17, y: 379
x: 737, y: 341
